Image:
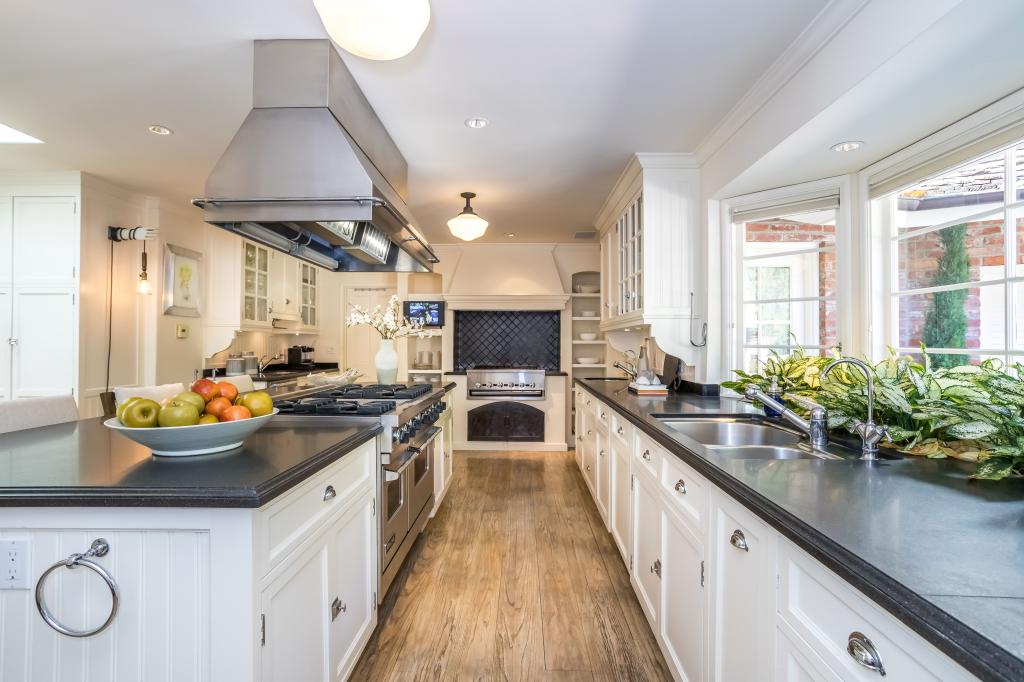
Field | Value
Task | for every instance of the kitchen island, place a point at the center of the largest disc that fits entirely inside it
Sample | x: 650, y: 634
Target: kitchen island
x: 218, y: 560
x: 939, y: 552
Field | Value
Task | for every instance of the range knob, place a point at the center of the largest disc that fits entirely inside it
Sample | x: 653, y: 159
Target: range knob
x: 478, y: 385
x: 403, y: 434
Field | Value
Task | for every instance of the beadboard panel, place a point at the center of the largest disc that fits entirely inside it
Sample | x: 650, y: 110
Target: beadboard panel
x: 160, y: 633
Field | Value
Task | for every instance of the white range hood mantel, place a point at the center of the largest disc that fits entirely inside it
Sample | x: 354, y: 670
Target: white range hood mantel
x: 506, y: 302
x: 472, y: 273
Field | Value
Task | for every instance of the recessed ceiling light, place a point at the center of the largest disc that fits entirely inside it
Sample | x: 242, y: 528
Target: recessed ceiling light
x: 847, y: 146
x: 477, y: 122
x: 160, y: 130
x: 510, y: 234
x: 9, y: 135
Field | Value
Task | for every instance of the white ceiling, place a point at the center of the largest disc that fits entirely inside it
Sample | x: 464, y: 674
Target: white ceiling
x: 572, y: 87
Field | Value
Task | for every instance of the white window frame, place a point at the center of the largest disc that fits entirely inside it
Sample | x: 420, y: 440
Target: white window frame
x: 884, y: 210
x: 732, y: 258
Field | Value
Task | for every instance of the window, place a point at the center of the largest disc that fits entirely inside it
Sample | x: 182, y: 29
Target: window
x: 956, y: 251
x: 788, y: 286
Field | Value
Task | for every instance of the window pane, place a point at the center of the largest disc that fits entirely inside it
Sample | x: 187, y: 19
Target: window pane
x: 969, y: 252
x: 964, y: 318
x: 804, y: 323
x: 791, y: 232
x: 970, y: 186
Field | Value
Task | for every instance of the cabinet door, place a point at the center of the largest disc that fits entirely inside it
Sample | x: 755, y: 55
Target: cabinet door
x: 609, y: 274
x: 604, y: 474
x: 308, y: 288
x: 255, y: 285
x: 743, y: 589
x: 590, y: 464
x: 352, y: 581
x: 296, y: 611
x: 43, y: 359
x: 647, y: 548
x: 620, y: 497
x: 6, y: 235
x: 683, y: 621
x: 6, y: 334
x: 45, y: 240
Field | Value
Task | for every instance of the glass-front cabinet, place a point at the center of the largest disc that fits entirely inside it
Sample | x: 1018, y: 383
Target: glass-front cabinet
x: 255, y: 284
x: 629, y: 243
x: 308, y: 284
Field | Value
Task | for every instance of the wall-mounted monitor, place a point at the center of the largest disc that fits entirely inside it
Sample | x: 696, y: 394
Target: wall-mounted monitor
x: 430, y: 313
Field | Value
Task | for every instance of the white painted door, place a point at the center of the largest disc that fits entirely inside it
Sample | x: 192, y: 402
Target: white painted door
x: 743, y: 594
x: 296, y: 610
x: 620, y: 502
x: 353, y: 582
x: 43, y: 355
x: 647, y: 547
x: 683, y: 622
x: 362, y: 342
x: 603, y: 460
x: 6, y: 237
x: 45, y: 240
x: 6, y: 334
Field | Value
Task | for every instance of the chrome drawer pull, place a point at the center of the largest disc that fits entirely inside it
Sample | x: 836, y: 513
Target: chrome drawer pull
x: 864, y: 652
x: 337, y: 607
x: 681, y: 486
x: 619, y: 431
x: 389, y: 543
x: 330, y: 493
x: 739, y: 540
x: 602, y: 453
x: 99, y: 547
x: 646, y: 455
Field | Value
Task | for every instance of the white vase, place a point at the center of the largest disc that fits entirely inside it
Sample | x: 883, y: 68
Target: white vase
x: 386, y: 362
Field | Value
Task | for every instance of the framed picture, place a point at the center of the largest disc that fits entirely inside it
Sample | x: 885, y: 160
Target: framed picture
x: 182, y: 281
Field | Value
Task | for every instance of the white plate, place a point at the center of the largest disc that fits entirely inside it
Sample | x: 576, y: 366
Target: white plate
x: 587, y: 361
x: 588, y: 313
x: 200, y: 439
x: 588, y: 336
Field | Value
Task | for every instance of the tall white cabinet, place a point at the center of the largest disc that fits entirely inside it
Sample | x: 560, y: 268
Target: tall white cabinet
x: 38, y: 294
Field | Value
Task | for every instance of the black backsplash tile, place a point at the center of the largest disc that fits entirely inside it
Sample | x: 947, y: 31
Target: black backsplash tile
x: 508, y: 338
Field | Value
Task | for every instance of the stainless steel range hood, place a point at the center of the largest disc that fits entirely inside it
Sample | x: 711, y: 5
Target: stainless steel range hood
x: 312, y: 171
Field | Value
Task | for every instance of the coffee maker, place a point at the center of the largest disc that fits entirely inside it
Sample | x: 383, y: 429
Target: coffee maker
x: 300, y: 355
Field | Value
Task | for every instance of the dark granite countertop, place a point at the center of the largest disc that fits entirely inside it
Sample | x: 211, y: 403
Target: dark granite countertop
x: 549, y: 373
x: 943, y: 554
x: 86, y: 464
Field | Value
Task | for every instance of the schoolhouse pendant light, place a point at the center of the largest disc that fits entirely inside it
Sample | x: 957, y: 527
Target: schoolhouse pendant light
x: 467, y: 225
x: 375, y: 29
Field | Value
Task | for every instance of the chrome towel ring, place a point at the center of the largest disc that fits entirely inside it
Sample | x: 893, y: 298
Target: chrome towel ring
x: 99, y: 547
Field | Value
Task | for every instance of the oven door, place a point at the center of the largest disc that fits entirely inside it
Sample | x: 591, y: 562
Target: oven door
x: 394, y: 515
x: 421, y: 477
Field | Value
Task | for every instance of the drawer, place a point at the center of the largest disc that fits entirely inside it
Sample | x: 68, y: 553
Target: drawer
x: 589, y: 403
x: 603, y: 412
x: 287, y: 521
x: 621, y: 428
x: 822, y: 613
x: 687, y: 490
x: 648, y: 454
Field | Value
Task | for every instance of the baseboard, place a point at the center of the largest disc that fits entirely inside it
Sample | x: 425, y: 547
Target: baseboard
x: 506, y: 445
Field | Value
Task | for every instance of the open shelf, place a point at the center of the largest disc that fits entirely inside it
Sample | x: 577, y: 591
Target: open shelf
x: 424, y: 371
x: 595, y: 342
x: 602, y: 366
x: 575, y: 295
x: 581, y: 318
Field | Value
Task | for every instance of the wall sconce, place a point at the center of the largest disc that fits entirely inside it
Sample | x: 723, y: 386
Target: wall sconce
x: 123, y: 234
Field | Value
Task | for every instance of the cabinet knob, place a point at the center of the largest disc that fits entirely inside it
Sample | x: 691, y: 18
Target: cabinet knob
x: 338, y: 606
x: 13, y: 341
x: 681, y: 486
x: 656, y: 567
x: 588, y: 467
x: 739, y: 540
x: 604, y: 415
x: 864, y: 652
x: 619, y: 430
x: 601, y: 453
x: 646, y: 455
x: 590, y: 432
x: 330, y: 493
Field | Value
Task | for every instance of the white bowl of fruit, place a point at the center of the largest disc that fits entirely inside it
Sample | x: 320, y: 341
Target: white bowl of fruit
x: 211, y: 417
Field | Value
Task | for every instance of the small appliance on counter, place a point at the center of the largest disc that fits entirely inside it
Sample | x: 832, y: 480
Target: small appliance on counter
x: 250, y: 363
x: 235, y: 365
x: 300, y: 355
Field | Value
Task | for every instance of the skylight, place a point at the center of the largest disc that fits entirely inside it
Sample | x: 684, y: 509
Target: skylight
x: 9, y: 135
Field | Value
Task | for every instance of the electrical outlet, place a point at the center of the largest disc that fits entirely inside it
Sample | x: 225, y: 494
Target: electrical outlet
x: 331, y: 351
x: 14, y: 555
x: 181, y: 331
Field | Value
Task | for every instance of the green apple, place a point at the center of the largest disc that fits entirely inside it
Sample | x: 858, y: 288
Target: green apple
x: 259, y: 402
x: 178, y: 413
x: 192, y: 398
x: 208, y: 419
x: 123, y: 406
x: 141, y: 414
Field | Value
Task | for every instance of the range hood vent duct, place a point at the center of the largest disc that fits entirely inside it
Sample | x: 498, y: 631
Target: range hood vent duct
x: 312, y: 172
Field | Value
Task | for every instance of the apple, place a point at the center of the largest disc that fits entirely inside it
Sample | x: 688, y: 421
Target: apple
x: 217, y: 406
x: 235, y: 413
x: 141, y: 414
x: 123, y: 406
x: 206, y: 388
x: 178, y: 413
x: 208, y: 419
x: 191, y: 398
x: 228, y: 390
x: 259, y: 402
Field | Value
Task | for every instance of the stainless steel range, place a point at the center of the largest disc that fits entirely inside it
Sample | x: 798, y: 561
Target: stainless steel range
x: 406, y: 485
x: 517, y: 383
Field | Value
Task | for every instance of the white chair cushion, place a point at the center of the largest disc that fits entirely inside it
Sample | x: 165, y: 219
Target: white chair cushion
x: 242, y: 382
x: 29, y: 413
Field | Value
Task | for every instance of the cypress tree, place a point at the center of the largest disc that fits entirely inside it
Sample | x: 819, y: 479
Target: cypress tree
x: 946, y: 323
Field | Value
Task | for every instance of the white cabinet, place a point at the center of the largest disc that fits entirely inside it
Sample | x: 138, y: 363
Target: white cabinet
x: 683, y: 602
x: 603, y: 470
x: 646, y: 552
x: 443, y: 459
x: 352, y: 582
x: 255, y: 285
x: 619, y: 514
x: 43, y: 354
x: 284, y: 284
x: 45, y: 240
x: 309, y: 286
x: 742, y: 566
x: 6, y: 349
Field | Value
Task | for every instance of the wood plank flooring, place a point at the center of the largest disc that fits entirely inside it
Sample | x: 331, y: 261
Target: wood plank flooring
x: 515, y: 579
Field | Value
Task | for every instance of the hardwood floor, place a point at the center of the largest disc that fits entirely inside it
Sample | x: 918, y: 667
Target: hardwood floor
x: 515, y: 579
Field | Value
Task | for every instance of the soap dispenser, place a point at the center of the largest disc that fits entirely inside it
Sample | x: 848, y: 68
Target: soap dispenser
x: 774, y: 392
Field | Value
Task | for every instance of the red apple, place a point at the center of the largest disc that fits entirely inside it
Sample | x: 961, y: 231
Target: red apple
x: 217, y: 406
x: 206, y: 388
x: 234, y: 413
x: 228, y: 390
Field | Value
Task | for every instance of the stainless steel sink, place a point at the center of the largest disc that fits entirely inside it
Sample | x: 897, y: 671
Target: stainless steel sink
x: 731, y: 432
x: 767, y: 452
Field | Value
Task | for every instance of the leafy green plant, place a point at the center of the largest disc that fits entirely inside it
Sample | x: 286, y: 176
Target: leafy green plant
x: 969, y: 412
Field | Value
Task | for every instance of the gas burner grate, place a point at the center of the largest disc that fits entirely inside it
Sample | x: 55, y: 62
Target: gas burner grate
x: 331, y: 405
x: 382, y: 391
